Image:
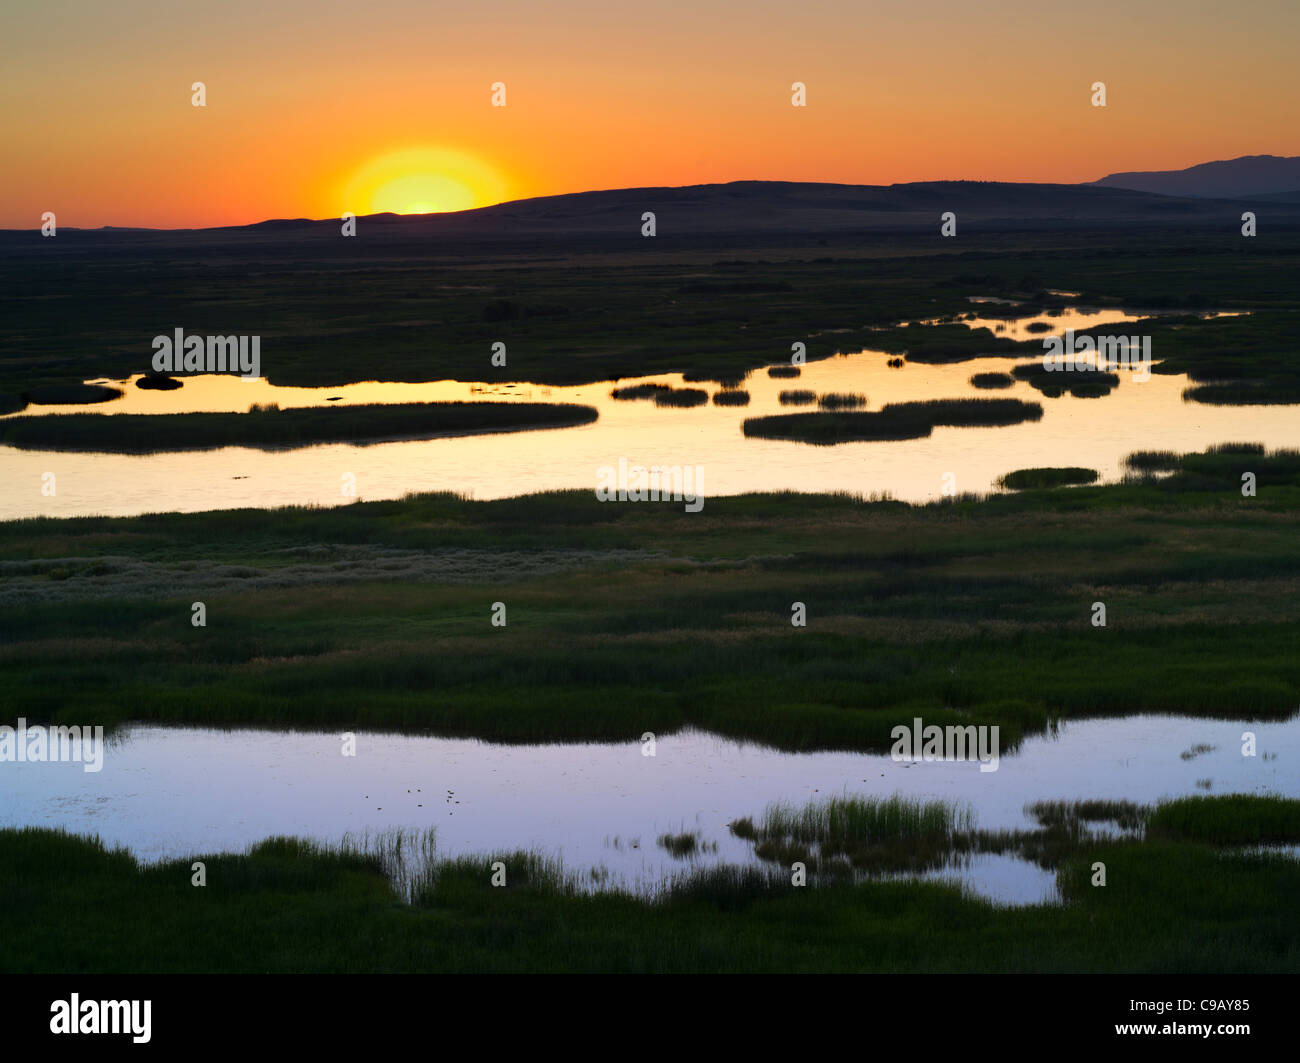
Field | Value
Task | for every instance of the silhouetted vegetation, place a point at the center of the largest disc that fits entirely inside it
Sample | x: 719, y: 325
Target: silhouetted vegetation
x: 991, y: 381
x: 269, y: 426
x: 904, y: 420
x: 682, y: 397
x: 1025, y: 479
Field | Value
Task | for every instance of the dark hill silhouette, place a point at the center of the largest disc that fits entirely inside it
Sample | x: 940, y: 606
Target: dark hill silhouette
x: 787, y: 206
x: 1250, y: 175
x: 741, y: 210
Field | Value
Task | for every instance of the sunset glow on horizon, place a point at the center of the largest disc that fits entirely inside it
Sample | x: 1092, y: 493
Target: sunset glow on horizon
x: 423, y: 181
x: 312, y: 112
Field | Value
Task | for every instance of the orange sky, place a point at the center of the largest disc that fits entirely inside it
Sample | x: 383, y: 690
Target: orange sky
x: 306, y: 100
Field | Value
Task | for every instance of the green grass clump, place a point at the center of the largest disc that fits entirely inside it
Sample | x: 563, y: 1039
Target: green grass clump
x: 1026, y: 479
x: 859, y: 833
x: 1124, y: 814
x: 1231, y: 819
x: 841, y: 820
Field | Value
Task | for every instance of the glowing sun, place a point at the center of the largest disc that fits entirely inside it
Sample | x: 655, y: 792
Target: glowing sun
x: 423, y: 181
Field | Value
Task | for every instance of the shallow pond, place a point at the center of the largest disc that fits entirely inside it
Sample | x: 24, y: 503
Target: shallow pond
x: 166, y: 792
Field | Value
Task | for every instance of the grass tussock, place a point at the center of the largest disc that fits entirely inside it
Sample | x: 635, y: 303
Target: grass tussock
x: 1153, y: 461
x: 1126, y: 815
x: 992, y: 381
x: 682, y: 845
x: 682, y: 397
x: 1230, y: 819
x: 844, y: 834
x: 842, y: 401
x: 639, y: 391
x: 1027, y: 479
x: 158, y: 382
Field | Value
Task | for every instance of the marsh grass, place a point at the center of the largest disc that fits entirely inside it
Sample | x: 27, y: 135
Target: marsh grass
x: 639, y: 391
x: 681, y: 397
x: 725, y: 887
x: 369, y: 615
x: 797, y: 397
x: 680, y: 845
x: 1229, y: 819
x: 445, y: 882
x: 269, y: 426
x: 846, y: 834
x: 1127, y: 815
x: 731, y: 398
x: 845, y: 819
x: 1026, y: 479
x: 1218, y: 468
x: 906, y: 420
x: 534, y: 289
x: 1079, y: 382
x: 289, y: 905
x: 1261, y: 392
x: 992, y: 381
x: 71, y: 394
x: 408, y: 859
x: 1153, y: 461
x: 841, y: 401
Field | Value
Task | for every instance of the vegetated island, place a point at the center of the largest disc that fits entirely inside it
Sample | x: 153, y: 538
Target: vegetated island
x: 900, y: 420
x: 271, y: 428
x: 1030, y: 479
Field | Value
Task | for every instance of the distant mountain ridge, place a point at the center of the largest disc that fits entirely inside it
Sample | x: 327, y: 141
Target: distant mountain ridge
x: 783, y: 209
x: 1248, y: 176
x: 789, y: 207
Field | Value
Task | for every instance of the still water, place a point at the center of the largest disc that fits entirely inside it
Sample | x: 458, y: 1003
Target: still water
x: 172, y: 792
x: 1093, y: 432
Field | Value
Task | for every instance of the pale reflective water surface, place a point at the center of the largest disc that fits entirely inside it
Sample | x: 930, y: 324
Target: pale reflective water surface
x: 174, y: 792
x: 1094, y: 432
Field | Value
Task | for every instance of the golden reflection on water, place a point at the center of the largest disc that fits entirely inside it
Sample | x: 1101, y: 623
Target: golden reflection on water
x: 1095, y: 433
